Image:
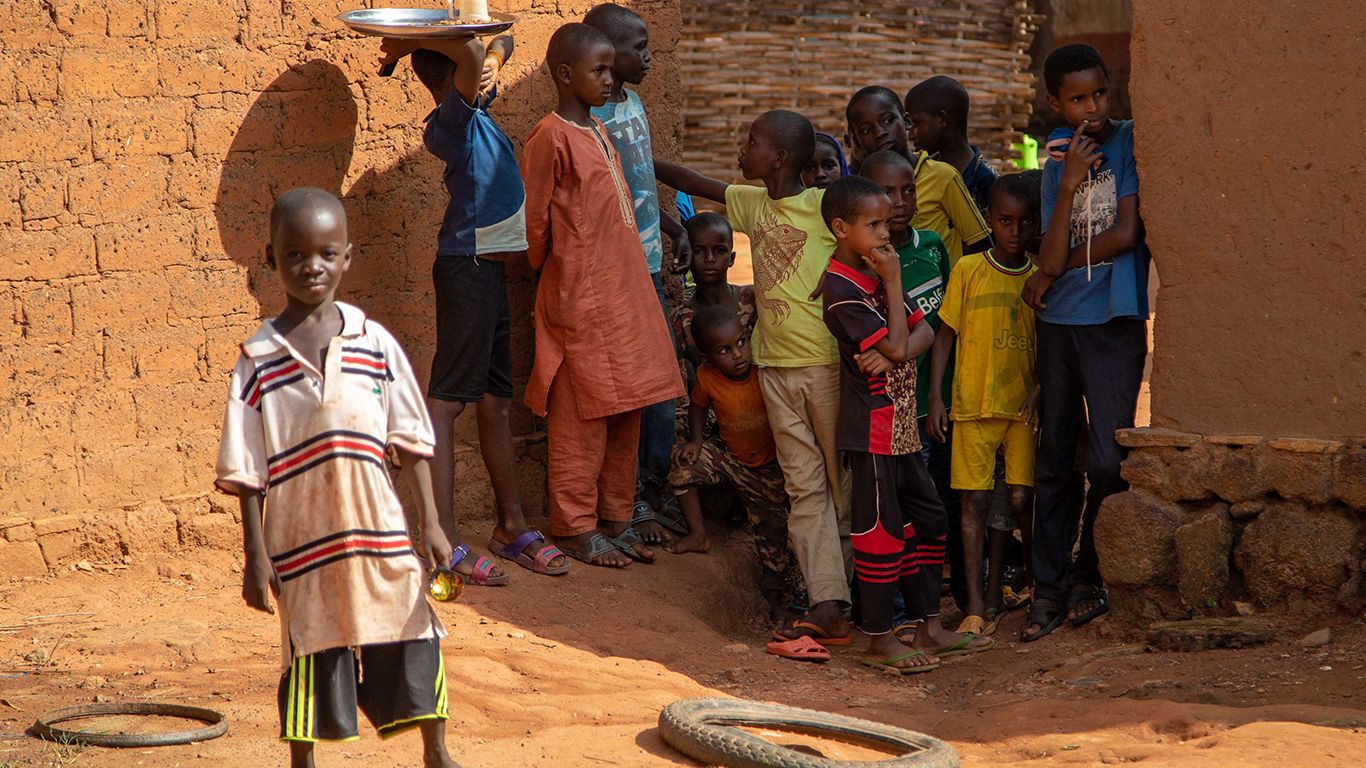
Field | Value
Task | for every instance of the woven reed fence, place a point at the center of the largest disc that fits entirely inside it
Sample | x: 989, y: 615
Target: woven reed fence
x: 740, y: 58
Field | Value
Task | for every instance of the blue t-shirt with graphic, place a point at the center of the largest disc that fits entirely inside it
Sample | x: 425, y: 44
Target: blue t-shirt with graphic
x: 630, y: 131
x: 487, y: 211
x: 1119, y: 287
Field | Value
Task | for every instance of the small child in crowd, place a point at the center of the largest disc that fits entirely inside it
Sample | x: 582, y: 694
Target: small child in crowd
x: 798, y: 372
x: 624, y: 117
x: 483, y: 226
x: 1091, y: 294
x: 713, y: 254
x: 877, y: 121
x: 318, y: 395
x: 898, y: 522
x: 937, y: 118
x: 995, y: 402
x: 828, y: 163
x: 602, y: 345
x: 728, y: 386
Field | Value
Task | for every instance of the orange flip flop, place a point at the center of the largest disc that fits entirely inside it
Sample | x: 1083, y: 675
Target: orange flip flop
x: 801, y: 649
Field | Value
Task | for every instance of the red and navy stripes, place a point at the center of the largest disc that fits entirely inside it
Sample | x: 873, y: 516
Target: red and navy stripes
x: 268, y: 377
x: 343, y: 545
x: 324, y: 447
x: 365, y: 362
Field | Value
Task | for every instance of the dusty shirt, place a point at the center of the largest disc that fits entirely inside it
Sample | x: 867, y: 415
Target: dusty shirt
x: 314, y: 441
x: 740, y: 414
x: 597, y: 316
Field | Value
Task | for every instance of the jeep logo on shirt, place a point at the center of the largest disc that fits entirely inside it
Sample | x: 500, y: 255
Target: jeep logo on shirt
x: 1008, y: 340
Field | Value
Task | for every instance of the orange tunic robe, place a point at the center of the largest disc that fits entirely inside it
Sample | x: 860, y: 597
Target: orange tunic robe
x: 597, y: 317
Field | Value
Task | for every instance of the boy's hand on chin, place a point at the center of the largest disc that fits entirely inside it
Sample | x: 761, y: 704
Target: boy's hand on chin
x: 883, y: 261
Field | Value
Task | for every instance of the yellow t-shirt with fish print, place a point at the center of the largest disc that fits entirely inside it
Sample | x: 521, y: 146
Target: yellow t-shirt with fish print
x: 790, y: 247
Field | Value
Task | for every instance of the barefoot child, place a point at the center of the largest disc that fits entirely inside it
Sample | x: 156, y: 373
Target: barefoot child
x: 602, y: 345
x: 877, y: 121
x: 898, y: 522
x: 484, y: 225
x: 798, y: 363
x: 986, y: 322
x: 624, y: 117
x: 728, y: 385
x: 318, y: 395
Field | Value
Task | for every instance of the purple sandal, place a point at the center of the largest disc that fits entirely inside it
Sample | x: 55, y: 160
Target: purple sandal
x: 515, y: 551
x: 479, y: 575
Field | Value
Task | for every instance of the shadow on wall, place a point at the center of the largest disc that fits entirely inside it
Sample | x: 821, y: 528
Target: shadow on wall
x: 306, y: 129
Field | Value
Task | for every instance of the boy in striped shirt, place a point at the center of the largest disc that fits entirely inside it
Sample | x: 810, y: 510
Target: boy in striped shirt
x: 319, y: 397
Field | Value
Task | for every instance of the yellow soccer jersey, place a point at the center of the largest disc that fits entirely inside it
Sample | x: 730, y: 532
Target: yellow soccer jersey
x: 994, y: 369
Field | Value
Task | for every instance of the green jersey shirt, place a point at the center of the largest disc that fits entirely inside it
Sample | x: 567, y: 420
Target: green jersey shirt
x: 924, y: 273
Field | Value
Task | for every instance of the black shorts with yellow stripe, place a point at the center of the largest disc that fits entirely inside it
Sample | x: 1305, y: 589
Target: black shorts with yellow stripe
x: 396, y: 685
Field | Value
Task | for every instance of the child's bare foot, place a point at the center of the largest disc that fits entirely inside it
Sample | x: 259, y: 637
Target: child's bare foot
x: 827, y: 617
x: 693, y: 542
x: 434, y: 753
x: 653, y: 533
x: 883, y: 649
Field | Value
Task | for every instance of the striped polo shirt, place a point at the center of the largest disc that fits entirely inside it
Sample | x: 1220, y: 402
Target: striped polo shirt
x: 315, y: 442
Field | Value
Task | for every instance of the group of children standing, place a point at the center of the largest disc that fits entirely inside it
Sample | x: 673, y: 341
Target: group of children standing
x: 858, y: 396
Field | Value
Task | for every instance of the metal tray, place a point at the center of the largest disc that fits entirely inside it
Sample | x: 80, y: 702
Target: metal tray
x: 420, y: 23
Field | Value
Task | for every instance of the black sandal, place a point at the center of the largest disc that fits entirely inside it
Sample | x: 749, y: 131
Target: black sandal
x: 1088, y: 593
x: 1047, y: 614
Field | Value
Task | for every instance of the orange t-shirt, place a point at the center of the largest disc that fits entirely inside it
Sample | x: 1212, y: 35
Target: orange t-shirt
x: 740, y: 414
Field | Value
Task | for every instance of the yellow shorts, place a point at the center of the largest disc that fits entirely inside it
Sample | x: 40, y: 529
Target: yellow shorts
x: 973, y: 460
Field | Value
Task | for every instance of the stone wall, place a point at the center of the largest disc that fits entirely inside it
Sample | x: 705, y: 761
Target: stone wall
x: 1218, y: 519
x: 141, y: 143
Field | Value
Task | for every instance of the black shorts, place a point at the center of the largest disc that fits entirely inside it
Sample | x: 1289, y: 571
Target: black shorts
x: 396, y: 685
x: 473, y: 352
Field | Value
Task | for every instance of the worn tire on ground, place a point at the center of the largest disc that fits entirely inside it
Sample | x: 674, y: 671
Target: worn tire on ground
x: 702, y: 729
x: 45, y: 727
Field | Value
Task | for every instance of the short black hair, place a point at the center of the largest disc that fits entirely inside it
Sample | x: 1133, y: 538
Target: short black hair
x: 884, y: 157
x: 791, y: 131
x: 612, y: 20
x: 868, y: 92
x: 1021, y: 186
x: 707, y: 320
x: 570, y: 42
x: 708, y: 220
x: 302, y: 201
x: 845, y: 196
x: 432, y: 68
x: 941, y: 93
x: 1064, y: 60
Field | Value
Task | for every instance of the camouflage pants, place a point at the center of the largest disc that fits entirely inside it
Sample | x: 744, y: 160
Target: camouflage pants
x: 766, y: 506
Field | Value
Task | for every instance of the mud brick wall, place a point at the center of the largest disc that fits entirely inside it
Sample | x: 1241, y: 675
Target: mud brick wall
x: 1251, y: 198
x: 141, y: 143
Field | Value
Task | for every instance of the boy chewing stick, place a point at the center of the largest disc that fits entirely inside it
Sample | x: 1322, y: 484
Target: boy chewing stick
x: 602, y: 345
x: 319, y: 396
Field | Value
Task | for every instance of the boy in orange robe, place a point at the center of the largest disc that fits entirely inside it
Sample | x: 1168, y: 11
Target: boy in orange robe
x: 602, y: 347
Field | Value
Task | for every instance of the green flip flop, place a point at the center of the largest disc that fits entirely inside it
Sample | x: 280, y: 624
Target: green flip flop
x: 890, y: 664
x: 964, y: 646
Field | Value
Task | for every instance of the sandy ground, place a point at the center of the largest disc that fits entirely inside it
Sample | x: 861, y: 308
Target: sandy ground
x: 573, y: 672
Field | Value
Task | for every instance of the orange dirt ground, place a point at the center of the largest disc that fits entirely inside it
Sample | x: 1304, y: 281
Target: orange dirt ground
x: 573, y: 672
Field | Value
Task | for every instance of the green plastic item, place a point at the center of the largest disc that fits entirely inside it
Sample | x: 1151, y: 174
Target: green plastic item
x: 1028, y: 149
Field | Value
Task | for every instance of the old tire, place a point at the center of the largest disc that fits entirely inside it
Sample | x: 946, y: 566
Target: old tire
x: 702, y: 729
x: 45, y: 728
